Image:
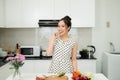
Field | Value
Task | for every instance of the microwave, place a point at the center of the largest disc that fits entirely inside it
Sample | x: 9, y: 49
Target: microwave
x: 30, y: 51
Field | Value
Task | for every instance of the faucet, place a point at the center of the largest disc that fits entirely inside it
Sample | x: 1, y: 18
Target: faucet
x: 112, y: 46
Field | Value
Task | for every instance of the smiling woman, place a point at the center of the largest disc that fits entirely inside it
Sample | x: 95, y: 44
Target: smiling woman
x: 63, y: 48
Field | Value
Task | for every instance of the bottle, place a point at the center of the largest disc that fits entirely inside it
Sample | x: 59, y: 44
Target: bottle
x: 17, y: 49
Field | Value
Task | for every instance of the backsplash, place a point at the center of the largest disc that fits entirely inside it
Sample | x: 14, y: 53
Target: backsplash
x: 82, y: 35
x: 10, y: 36
x: 40, y: 36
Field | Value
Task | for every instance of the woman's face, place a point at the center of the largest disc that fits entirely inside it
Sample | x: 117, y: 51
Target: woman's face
x: 62, y: 28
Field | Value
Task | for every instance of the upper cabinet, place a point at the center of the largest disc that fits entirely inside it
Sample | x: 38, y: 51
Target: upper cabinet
x: 1, y: 13
x: 21, y: 13
x: 53, y: 9
x: 61, y: 8
x: 82, y: 13
x: 26, y: 13
x: 13, y: 16
x: 30, y: 13
x: 46, y: 9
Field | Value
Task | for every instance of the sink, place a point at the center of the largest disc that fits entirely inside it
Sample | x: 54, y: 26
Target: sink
x: 115, y: 53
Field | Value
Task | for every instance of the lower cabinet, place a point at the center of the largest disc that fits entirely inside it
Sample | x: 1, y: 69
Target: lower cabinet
x: 5, y: 71
x: 36, y: 66
x: 86, y: 65
x: 42, y: 66
x: 28, y: 67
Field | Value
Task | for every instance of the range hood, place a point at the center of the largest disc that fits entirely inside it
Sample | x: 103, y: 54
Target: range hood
x: 48, y: 23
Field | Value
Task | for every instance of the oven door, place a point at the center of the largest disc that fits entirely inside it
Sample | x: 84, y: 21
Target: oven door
x: 27, y: 51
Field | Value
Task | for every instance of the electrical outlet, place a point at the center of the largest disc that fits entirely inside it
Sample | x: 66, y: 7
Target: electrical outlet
x: 108, y: 24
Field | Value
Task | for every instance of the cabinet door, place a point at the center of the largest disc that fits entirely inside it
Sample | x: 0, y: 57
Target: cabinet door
x: 29, y: 13
x: 1, y: 13
x: 21, y: 13
x: 87, y: 65
x: 28, y: 67
x: 41, y: 66
x: 46, y: 9
x: 5, y: 71
x: 61, y: 8
x: 83, y: 13
x: 35, y: 66
x: 13, y: 17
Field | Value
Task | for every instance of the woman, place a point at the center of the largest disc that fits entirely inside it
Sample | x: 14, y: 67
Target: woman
x: 63, y: 49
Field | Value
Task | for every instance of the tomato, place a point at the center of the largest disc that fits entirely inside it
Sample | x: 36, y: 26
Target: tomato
x: 38, y: 78
x: 78, y: 72
x: 74, y: 74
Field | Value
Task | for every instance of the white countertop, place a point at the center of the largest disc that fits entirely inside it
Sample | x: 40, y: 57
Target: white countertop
x: 32, y: 76
x: 110, y: 54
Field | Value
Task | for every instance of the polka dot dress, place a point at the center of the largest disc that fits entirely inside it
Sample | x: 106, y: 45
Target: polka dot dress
x: 61, y: 61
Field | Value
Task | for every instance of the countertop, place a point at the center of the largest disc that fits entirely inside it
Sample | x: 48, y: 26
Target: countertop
x: 39, y: 58
x: 2, y: 61
x: 50, y: 57
x: 32, y: 76
x: 115, y: 54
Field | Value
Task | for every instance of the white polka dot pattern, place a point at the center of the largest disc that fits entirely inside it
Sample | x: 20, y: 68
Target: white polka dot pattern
x: 61, y: 61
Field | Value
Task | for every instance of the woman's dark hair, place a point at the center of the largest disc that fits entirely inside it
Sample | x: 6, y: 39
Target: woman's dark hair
x: 67, y: 21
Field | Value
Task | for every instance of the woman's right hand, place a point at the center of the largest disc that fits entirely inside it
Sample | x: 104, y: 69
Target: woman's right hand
x: 56, y: 34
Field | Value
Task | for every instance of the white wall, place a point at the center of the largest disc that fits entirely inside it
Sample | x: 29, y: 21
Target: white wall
x: 113, y: 16
x: 106, y: 11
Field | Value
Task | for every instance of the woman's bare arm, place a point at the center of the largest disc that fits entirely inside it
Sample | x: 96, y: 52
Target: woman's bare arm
x: 74, y: 60
x: 51, y: 42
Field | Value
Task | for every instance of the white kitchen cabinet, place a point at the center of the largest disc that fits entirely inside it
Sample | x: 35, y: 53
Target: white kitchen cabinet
x: 26, y: 13
x: 61, y: 8
x: 5, y: 71
x: 13, y: 16
x: 86, y: 65
x: 53, y: 9
x: 42, y: 66
x: 36, y: 66
x: 82, y: 13
x: 1, y: 13
x: 21, y: 13
x: 29, y: 13
x: 28, y: 67
x: 46, y: 9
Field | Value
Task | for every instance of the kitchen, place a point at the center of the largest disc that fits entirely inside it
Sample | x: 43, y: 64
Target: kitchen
x: 106, y: 28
